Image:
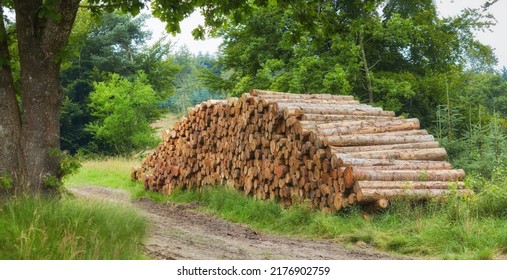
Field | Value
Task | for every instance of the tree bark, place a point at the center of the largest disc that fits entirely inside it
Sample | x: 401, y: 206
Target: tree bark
x: 405, y: 185
x: 375, y: 139
x: 434, y: 154
x: 12, y: 172
x: 360, y: 174
x: 307, y: 118
x: 273, y: 95
x: 366, y: 69
x: 330, y: 150
x: 372, y: 195
x: 30, y: 151
x: 389, y: 164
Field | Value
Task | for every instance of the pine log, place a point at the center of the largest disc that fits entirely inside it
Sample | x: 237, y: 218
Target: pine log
x: 339, y: 111
x: 374, y: 139
x: 274, y: 94
x: 379, y: 205
x: 435, y: 154
x: 291, y: 147
x: 348, y: 130
x: 406, y: 185
x: 361, y: 174
x: 322, y: 118
x: 337, y: 161
x: 346, y: 126
x: 371, y: 195
x: 330, y: 150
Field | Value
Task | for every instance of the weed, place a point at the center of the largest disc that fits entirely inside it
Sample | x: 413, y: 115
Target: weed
x: 6, y: 181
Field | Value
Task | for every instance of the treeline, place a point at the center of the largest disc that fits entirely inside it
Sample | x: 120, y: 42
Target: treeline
x: 115, y: 84
x: 400, y: 55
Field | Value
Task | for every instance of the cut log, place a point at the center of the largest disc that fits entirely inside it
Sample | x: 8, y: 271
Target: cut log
x: 274, y: 95
x: 340, y: 111
x: 362, y: 127
x: 361, y: 174
x: 419, y: 145
x: 406, y: 185
x: 327, y: 149
x: 379, y: 205
x: 372, y: 195
x: 337, y: 161
x: 322, y: 118
x: 374, y: 139
x: 435, y: 154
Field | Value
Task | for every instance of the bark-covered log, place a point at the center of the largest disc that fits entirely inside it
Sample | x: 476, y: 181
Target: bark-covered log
x: 406, y: 185
x: 371, y: 195
x: 330, y: 150
x: 337, y: 161
x: 361, y: 174
x: 374, y: 139
x: 326, y: 149
x: 434, y: 154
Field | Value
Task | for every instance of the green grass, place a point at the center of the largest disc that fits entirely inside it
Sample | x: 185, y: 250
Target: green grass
x: 66, y: 229
x: 110, y: 172
x: 461, y: 228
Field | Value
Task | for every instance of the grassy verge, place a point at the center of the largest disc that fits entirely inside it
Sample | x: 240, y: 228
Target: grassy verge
x: 434, y: 230
x: 470, y: 228
x: 38, y: 228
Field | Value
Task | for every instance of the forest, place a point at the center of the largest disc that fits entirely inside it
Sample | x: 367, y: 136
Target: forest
x: 99, y: 83
x: 397, y: 56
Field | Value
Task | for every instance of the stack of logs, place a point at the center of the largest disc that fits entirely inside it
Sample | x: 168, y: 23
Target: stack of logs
x: 328, y: 149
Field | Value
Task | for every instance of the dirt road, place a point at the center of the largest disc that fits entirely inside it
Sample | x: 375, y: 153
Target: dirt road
x: 179, y: 231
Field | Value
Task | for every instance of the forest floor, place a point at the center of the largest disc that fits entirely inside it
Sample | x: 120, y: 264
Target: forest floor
x: 180, y: 231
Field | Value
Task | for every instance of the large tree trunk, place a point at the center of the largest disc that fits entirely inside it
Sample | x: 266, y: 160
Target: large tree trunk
x: 12, y: 172
x: 40, y: 40
x: 31, y: 143
x: 41, y: 121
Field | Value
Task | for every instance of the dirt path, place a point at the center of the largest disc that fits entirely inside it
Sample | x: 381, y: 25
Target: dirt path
x: 178, y: 231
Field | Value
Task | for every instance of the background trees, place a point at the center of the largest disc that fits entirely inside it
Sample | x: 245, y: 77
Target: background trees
x: 31, y: 128
x: 399, y: 55
x: 384, y: 54
x: 112, y: 43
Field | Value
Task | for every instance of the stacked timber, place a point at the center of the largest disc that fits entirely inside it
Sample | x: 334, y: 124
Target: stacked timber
x: 328, y: 149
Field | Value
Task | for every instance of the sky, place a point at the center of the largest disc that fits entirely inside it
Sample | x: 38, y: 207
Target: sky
x: 496, y: 38
x: 185, y: 38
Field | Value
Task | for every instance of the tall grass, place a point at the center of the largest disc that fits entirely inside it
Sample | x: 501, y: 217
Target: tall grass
x: 43, y: 228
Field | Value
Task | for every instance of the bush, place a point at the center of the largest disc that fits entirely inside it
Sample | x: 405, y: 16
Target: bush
x: 124, y: 110
x: 491, y: 193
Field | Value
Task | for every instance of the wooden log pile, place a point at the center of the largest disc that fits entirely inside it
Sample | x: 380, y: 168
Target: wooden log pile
x: 328, y: 149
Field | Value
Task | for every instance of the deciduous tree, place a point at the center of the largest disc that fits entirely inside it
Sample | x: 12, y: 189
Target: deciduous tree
x: 30, y: 128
